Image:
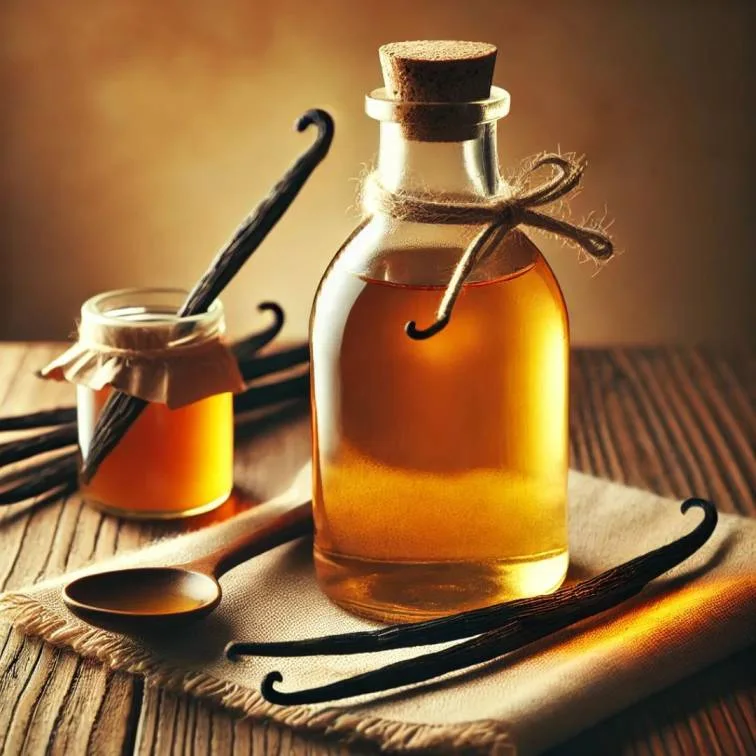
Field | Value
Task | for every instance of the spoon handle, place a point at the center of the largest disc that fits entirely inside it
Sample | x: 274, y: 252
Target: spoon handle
x: 267, y: 535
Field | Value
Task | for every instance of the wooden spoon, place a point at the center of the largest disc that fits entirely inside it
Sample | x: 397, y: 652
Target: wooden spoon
x: 144, y: 599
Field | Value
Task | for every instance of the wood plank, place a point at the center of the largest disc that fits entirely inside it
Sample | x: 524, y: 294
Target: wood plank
x: 174, y: 725
x: 111, y: 731
x: 50, y: 697
x: 675, y: 421
x: 667, y: 409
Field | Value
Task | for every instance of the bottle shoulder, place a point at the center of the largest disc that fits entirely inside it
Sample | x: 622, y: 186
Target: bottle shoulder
x: 372, y: 260
x: 418, y: 254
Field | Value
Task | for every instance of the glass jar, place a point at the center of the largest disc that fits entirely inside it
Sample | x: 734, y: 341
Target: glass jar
x: 171, y: 462
x: 440, y: 465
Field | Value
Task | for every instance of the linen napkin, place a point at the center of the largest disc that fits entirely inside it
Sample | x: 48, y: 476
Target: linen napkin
x: 522, y: 703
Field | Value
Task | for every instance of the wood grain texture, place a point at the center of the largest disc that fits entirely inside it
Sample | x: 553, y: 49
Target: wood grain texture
x: 679, y: 422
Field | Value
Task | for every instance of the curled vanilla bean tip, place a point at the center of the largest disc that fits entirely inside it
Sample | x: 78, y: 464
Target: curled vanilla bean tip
x: 269, y: 693
x: 321, y: 119
x: 234, y: 650
x: 229, y: 651
x: 275, y: 308
x: 246, y: 349
x: 420, y: 334
x: 707, y: 506
x: 279, y: 318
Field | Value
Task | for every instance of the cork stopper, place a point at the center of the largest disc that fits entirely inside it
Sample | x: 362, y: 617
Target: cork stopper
x: 438, y: 70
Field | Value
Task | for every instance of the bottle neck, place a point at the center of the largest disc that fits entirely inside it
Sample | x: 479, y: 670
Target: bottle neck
x: 463, y: 170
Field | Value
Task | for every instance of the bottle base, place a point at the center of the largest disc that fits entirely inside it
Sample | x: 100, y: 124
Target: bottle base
x: 415, y: 591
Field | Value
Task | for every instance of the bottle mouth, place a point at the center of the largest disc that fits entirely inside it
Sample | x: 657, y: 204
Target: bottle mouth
x: 437, y: 115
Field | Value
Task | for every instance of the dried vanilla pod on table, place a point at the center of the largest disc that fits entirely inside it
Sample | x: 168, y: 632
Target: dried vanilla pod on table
x: 497, y: 630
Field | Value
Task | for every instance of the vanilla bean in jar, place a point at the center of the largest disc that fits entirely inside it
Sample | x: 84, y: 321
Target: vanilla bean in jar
x: 440, y: 453
x: 176, y: 460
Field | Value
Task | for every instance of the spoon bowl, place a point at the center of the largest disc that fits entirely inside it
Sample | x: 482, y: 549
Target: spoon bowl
x: 145, y: 595
x: 148, y: 598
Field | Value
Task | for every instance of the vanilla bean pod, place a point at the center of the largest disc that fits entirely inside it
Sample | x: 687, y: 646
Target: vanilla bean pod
x: 59, y: 476
x: 30, y: 446
x: 43, y: 419
x: 121, y: 410
x: 531, y: 622
x: 32, y: 468
x: 251, y: 366
x: 62, y: 472
x: 247, y: 348
x: 44, y: 478
x: 272, y: 393
x: 424, y: 633
x: 67, y: 486
x: 259, y: 367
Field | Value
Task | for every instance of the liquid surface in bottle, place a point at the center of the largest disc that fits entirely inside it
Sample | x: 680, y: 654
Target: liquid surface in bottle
x: 440, y: 465
x: 170, y: 463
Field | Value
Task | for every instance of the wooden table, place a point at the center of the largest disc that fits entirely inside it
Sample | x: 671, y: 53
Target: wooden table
x: 679, y: 422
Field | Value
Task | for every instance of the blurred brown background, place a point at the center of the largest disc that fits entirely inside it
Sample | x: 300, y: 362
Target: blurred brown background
x: 136, y: 134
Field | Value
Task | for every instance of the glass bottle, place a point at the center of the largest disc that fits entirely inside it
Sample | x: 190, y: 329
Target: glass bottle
x: 171, y: 462
x: 440, y: 465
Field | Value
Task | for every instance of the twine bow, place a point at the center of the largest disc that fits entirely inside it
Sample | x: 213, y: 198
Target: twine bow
x: 500, y: 215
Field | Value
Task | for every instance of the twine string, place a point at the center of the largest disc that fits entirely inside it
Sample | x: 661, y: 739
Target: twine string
x: 499, y: 215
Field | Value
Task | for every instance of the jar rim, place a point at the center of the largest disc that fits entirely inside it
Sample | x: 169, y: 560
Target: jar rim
x: 94, y: 311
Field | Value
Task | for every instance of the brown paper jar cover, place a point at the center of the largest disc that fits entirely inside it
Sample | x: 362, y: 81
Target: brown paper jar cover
x: 133, y: 341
